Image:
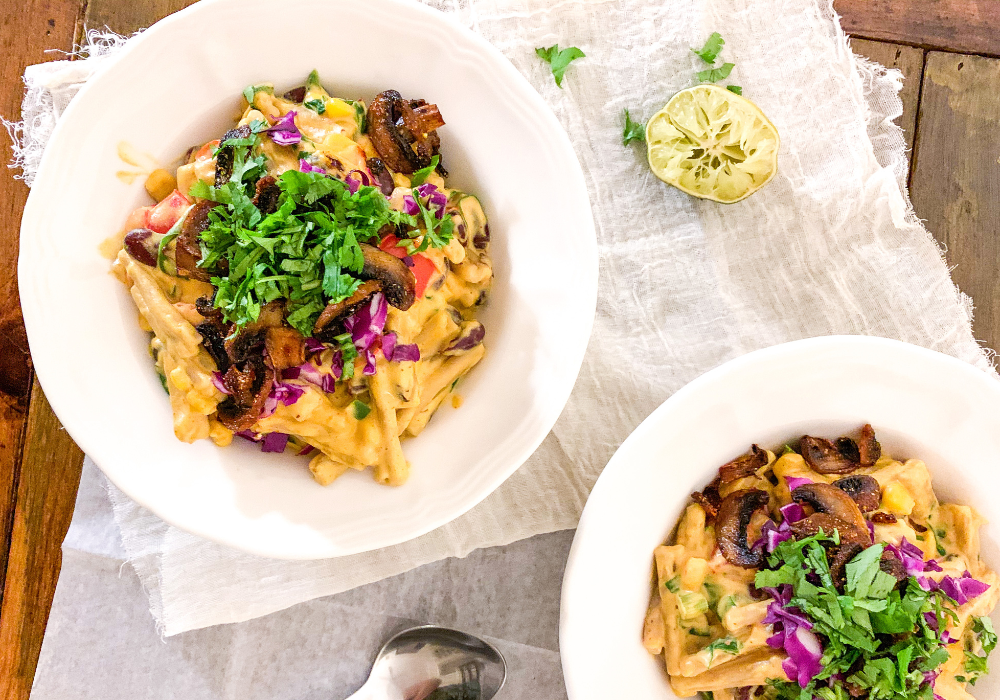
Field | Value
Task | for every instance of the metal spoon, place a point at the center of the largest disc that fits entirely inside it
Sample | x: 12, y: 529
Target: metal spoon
x: 434, y: 663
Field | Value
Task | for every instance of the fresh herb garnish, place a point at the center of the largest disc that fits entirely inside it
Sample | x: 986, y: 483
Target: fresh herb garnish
x: 714, y: 75
x: 559, y: 60
x: 729, y: 645
x: 975, y: 664
x: 876, y: 635
x: 420, y: 176
x: 360, y: 409
x: 307, y: 252
x: 736, y: 89
x: 318, y: 106
x: 251, y: 90
x: 633, y: 131
x: 712, y: 48
x: 437, y: 232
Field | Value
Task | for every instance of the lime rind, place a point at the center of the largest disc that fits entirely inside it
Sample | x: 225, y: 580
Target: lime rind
x: 713, y: 144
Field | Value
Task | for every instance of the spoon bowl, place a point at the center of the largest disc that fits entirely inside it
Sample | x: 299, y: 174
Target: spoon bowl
x: 434, y: 663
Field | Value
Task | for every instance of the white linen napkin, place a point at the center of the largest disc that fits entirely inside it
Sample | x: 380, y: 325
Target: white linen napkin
x: 830, y: 246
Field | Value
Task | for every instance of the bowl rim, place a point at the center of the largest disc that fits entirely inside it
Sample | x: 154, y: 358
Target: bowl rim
x: 590, y: 519
x: 62, y: 401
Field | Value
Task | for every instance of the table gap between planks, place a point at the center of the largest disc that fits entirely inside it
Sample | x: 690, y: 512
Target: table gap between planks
x: 947, y: 50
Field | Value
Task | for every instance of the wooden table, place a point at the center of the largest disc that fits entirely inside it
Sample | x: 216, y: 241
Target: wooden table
x: 949, y: 51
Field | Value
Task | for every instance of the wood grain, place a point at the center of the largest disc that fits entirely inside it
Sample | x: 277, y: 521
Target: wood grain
x: 128, y: 17
x: 956, y: 176
x: 910, y: 62
x: 965, y: 26
x: 27, y: 29
x: 50, y: 474
x: 34, y: 517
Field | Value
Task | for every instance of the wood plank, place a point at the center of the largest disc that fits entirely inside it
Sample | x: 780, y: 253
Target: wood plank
x: 910, y: 62
x: 964, y: 26
x: 129, y: 17
x: 27, y: 29
x: 50, y: 475
x: 956, y: 176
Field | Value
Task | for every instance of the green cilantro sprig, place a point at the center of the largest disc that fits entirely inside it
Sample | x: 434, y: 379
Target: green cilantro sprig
x: 559, y: 60
x: 974, y: 666
x: 306, y: 252
x: 632, y: 131
x: 712, y: 48
x: 729, y: 645
x: 709, y: 53
x: 874, y: 634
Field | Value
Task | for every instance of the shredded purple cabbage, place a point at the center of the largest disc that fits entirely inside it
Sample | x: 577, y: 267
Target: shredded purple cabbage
x: 307, y: 167
x: 285, y: 394
x: 274, y: 442
x: 248, y: 435
x: 313, y: 345
x: 793, y: 633
x: 410, y: 205
x: 796, y: 481
x: 219, y: 384
x: 353, y: 184
x: 284, y: 132
x: 365, y: 325
x: 792, y: 513
x: 399, y: 352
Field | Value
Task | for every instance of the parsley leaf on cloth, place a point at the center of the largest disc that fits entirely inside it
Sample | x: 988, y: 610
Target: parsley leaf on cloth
x: 714, y: 75
x: 559, y: 60
x: 712, y: 48
x: 632, y: 131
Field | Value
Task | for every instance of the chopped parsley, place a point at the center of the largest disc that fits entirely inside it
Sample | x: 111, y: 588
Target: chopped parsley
x: 306, y: 252
x: 729, y: 645
x: 559, y: 60
x: 974, y: 666
x: 318, y: 106
x: 420, y: 176
x: 712, y: 48
x: 875, y: 634
x: 714, y: 75
x: 736, y: 89
x: 360, y: 409
x: 632, y: 131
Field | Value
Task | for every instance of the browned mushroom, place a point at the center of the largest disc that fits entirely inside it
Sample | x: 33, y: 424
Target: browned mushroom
x: 336, y: 311
x: 823, y: 456
x: 849, y: 532
x: 213, y: 339
x: 188, y: 250
x: 828, y: 499
x: 226, y: 156
x: 285, y: 347
x: 734, y: 517
x: 245, y: 342
x: 266, y: 195
x: 743, y: 466
x: 249, y: 387
x: 398, y: 283
x: 892, y: 566
x: 404, y: 132
x: 863, y: 489
x: 868, y: 448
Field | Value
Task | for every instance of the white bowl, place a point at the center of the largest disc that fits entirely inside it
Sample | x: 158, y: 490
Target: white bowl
x: 179, y: 84
x: 922, y: 404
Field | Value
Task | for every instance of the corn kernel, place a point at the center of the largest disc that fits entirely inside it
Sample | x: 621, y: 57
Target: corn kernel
x: 220, y: 434
x: 693, y: 574
x: 160, y: 184
x: 896, y: 499
x: 180, y: 379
